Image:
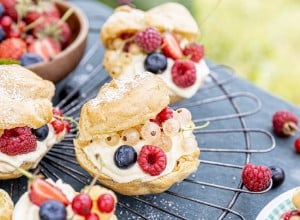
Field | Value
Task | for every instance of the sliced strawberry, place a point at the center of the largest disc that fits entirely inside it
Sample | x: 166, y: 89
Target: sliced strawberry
x: 47, y: 48
x: 171, y: 47
x: 41, y: 191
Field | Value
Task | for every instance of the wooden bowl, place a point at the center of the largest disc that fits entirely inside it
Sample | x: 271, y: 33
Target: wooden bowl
x: 66, y: 61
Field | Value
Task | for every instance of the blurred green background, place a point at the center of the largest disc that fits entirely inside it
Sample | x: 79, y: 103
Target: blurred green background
x: 259, y: 39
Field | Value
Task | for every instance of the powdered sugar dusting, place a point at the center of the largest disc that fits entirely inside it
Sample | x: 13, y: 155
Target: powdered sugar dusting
x: 117, y: 88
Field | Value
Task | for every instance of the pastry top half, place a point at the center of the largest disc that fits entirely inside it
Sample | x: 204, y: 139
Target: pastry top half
x: 25, y: 98
x: 122, y: 104
x: 170, y: 16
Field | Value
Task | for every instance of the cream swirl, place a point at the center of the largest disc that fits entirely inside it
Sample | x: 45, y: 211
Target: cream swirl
x: 26, y: 210
x: 136, y: 66
x: 106, y: 152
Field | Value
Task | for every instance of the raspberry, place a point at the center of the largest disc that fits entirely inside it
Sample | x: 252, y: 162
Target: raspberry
x: 284, y: 123
x: 152, y: 160
x: 256, y: 178
x: 163, y: 115
x: 183, y: 73
x: 17, y: 141
x: 297, y: 145
x: 195, y: 51
x: 149, y: 39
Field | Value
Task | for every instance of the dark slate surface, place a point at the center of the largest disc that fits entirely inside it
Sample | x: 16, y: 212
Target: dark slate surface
x: 211, y: 105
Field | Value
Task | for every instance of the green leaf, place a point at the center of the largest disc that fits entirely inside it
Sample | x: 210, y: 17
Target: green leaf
x: 8, y: 61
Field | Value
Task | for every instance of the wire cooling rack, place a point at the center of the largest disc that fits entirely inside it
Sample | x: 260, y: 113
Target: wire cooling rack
x: 226, y: 146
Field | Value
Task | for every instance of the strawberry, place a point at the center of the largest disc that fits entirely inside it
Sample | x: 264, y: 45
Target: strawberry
x: 47, y: 48
x: 32, y: 16
x: 171, y: 47
x: 55, y: 28
x: 12, y: 48
x: 41, y: 191
x: 10, y: 8
x: 45, y: 9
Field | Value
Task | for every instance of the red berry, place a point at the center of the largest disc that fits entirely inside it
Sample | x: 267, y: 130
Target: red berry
x: 17, y: 141
x: 57, y: 111
x: 6, y: 22
x: 92, y: 216
x: 149, y: 39
x: 163, y: 115
x: 170, y: 47
x: 82, y: 204
x: 10, y: 8
x: 29, y: 39
x: 284, y: 123
x: 256, y: 178
x: 184, y: 73
x: 195, y: 51
x: 67, y: 126
x: 58, y: 126
x: 297, y: 145
x: 12, y: 48
x: 14, y: 32
x: 32, y: 16
x: 106, y: 203
x: 289, y: 214
x: 152, y: 160
x: 47, y: 48
x: 41, y: 191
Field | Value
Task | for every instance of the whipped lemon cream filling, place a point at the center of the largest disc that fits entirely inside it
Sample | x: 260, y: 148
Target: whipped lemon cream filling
x: 42, y: 148
x: 26, y: 210
x: 136, y: 66
x: 106, y: 153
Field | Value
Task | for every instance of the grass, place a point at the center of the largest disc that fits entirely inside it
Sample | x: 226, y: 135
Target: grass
x: 259, y: 39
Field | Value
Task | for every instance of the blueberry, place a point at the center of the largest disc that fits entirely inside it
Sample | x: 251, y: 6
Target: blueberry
x: 30, y: 58
x: 53, y: 210
x: 155, y: 63
x: 41, y: 133
x: 125, y: 156
x: 2, y: 10
x: 2, y: 34
x: 278, y: 176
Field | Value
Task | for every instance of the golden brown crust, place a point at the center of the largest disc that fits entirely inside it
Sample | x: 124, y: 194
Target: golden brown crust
x: 25, y: 98
x: 296, y: 199
x: 6, y: 206
x: 122, y: 104
x: 15, y: 174
x: 170, y: 16
x: 124, y: 20
x: 173, y: 17
x: 185, y: 166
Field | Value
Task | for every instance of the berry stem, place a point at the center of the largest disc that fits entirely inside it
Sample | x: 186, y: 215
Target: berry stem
x: 197, y: 127
x: 70, y: 119
x: 33, y: 24
x: 22, y: 171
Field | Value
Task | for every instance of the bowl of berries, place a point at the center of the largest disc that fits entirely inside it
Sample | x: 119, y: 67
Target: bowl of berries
x: 48, y: 37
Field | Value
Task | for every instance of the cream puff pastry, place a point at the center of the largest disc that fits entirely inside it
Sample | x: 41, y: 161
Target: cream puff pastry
x: 92, y: 200
x: 28, y: 128
x: 132, y: 140
x: 161, y: 40
x: 6, y: 206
